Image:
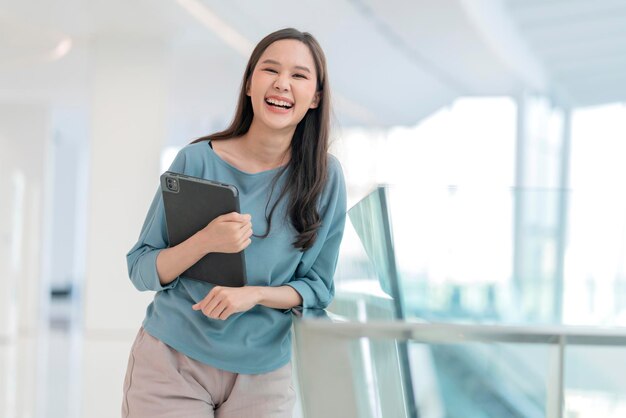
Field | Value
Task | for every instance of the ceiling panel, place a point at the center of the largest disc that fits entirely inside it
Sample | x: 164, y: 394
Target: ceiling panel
x: 391, y: 62
x: 581, y: 43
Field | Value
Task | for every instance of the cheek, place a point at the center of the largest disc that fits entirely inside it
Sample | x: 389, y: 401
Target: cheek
x: 255, y: 85
x: 307, y: 95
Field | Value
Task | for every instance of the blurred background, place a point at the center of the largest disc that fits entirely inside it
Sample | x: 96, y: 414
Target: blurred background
x: 498, y: 128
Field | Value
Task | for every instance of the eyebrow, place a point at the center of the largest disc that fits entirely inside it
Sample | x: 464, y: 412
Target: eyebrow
x: 300, y: 67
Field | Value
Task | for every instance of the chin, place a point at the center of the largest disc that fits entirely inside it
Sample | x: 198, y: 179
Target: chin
x: 280, y: 127
x: 272, y: 123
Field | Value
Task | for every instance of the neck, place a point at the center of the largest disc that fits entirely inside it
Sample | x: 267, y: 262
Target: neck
x: 268, y: 147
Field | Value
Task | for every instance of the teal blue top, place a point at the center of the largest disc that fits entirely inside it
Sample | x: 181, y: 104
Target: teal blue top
x: 259, y: 340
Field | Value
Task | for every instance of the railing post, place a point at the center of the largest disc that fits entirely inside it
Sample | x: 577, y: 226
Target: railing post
x: 556, y: 385
x: 326, y: 356
x: 561, y: 376
x: 396, y: 293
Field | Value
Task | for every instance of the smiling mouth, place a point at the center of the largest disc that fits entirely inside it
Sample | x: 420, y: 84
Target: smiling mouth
x: 278, y: 103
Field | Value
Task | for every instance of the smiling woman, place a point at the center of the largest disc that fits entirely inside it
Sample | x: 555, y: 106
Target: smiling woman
x: 283, y: 83
x: 226, y: 351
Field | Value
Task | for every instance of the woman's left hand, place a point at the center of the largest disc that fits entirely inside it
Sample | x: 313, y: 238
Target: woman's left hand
x: 222, y: 302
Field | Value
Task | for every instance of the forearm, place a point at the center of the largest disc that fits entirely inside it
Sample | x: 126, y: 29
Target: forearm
x: 282, y: 297
x: 172, y: 262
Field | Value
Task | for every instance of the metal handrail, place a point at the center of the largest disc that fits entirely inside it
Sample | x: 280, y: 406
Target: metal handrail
x: 454, y: 333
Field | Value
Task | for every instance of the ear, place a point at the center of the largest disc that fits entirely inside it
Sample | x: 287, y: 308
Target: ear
x: 316, y: 101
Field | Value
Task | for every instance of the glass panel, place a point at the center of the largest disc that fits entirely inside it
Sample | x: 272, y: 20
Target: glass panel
x: 453, y: 249
x: 454, y: 254
x: 486, y: 380
x: 452, y: 258
x: 361, y: 282
x: 377, y: 375
x: 595, y: 382
x: 455, y: 380
x: 370, y: 223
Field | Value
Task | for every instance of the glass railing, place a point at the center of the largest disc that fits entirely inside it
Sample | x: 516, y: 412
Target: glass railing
x: 471, y: 371
x: 468, y: 257
x: 514, y: 256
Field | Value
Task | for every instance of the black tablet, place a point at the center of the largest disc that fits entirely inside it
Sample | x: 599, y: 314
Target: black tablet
x: 191, y: 203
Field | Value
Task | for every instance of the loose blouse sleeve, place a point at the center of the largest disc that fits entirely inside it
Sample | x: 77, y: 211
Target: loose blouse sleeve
x: 313, y: 279
x: 141, y: 258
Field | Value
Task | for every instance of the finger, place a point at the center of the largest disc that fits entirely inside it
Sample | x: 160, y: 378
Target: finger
x: 217, y: 311
x: 245, y: 234
x: 208, y: 308
x: 245, y: 244
x: 207, y: 299
x: 238, y: 217
x: 226, y: 314
x: 200, y: 305
x: 230, y: 217
x: 242, y: 228
x: 246, y: 224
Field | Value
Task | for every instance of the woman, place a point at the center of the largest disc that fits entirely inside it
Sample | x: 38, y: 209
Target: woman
x: 207, y: 350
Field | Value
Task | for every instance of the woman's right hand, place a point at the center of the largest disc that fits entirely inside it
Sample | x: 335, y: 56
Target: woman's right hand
x: 229, y: 233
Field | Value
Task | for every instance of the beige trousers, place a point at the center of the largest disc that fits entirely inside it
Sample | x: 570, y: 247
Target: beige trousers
x: 163, y: 383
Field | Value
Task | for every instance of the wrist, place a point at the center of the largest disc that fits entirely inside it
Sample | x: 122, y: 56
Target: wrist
x: 260, y: 294
x: 200, y: 244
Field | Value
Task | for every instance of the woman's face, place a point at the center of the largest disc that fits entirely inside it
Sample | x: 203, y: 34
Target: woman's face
x: 283, y: 85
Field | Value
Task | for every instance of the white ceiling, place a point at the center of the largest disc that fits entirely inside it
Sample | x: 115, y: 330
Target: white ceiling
x: 581, y: 43
x: 390, y: 61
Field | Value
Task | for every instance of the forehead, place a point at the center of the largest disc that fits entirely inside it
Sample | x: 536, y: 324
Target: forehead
x: 289, y: 53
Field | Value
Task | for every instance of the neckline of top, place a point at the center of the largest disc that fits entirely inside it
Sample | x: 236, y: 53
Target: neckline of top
x: 232, y: 167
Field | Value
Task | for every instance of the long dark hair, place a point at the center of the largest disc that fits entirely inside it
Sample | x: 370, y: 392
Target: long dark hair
x: 309, y: 144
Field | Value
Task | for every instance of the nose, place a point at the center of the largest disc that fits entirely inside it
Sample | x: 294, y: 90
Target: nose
x: 281, y: 83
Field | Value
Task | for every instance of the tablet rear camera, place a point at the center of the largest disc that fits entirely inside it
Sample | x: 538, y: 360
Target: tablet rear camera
x: 172, y: 184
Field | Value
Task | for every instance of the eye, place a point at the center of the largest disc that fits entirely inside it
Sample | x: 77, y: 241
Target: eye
x: 300, y: 76
x: 270, y: 70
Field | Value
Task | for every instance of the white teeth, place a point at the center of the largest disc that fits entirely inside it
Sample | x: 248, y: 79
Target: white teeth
x: 278, y: 102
